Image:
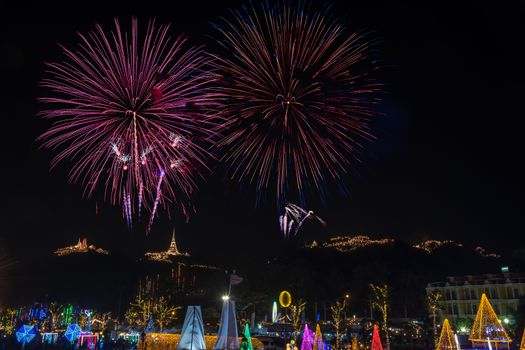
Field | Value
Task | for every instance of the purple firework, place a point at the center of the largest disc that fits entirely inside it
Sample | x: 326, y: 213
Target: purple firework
x: 132, y: 114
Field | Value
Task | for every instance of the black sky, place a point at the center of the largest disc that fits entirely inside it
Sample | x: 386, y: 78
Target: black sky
x: 447, y: 163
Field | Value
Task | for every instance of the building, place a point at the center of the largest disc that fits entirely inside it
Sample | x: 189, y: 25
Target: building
x: 166, y: 256
x: 461, y: 295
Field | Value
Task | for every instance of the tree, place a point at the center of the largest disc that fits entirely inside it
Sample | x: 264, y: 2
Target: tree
x: 296, y: 311
x: 138, y: 312
x: 380, y: 301
x: 433, y: 307
x: 164, y: 312
x: 337, y: 310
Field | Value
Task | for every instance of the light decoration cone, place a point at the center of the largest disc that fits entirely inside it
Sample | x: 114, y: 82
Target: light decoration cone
x: 487, y: 331
x: 248, y: 336
x: 376, y: 340
x: 318, y: 340
x: 307, y: 342
x: 447, y: 340
x: 355, y: 345
x: 522, y: 346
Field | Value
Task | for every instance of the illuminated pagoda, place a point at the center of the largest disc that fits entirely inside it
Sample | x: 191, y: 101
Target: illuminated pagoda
x: 81, y: 247
x: 166, y: 256
x: 487, y: 331
x: 447, y: 340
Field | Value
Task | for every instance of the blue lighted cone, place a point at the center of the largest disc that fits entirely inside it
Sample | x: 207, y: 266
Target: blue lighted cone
x: 73, y: 332
x: 25, y: 334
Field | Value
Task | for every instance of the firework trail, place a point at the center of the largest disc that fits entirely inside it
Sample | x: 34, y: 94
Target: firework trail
x: 293, y: 219
x: 117, y: 104
x: 156, y: 203
x: 298, y: 97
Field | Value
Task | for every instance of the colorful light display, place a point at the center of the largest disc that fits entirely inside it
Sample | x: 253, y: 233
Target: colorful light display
x: 274, y: 312
x: 133, y: 115
x: 308, y: 339
x: 447, y: 339
x: 285, y: 299
x: 25, y: 334
x: 376, y: 340
x: 299, y: 95
x: 73, y: 332
x: 487, y: 330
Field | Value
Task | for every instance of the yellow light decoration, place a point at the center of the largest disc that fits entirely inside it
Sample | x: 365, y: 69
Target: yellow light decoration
x: 522, y: 346
x: 164, y: 341
x: 487, y: 331
x: 285, y: 299
x: 447, y: 340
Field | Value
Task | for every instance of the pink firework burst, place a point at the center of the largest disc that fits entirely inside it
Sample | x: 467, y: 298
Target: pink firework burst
x: 132, y: 114
x: 299, y: 97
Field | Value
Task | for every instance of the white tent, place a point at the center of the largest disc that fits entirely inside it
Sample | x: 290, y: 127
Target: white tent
x: 227, y: 337
x: 192, y: 335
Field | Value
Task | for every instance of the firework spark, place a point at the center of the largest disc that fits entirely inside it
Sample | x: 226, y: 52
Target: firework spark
x: 126, y: 109
x: 299, y: 97
x: 293, y: 219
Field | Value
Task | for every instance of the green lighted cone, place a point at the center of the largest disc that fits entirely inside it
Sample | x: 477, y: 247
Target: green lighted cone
x: 248, y: 336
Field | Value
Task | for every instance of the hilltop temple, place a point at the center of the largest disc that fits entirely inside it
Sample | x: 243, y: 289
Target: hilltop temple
x: 80, y: 247
x: 166, y: 256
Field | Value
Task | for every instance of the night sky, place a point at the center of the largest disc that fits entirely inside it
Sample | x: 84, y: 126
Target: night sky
x: 447, y: 164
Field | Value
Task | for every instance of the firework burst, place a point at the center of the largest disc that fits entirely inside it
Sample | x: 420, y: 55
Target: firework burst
x: 298, y: 97
x: 133, y: 116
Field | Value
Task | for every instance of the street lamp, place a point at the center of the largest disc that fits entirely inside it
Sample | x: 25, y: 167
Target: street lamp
x: 225, y: 297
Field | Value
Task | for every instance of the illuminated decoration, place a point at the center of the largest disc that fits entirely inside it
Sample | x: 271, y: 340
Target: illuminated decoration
x: 447, y: 340
x: 487, y: 330
x: 227, y: 336
x: 318, y: 340
x: 132, y: 337
x: 88, y: 314
x: 430, y: 245
x: 80, y: 247
x: 522, y: 346
x: 68, y: 312
x: 274, y: 312
x: 355, y: 344
x: 49, y: 338
x: 349, y: 243
x: 294, y: 217
x: 73, y: 332
x: 25, y: 334
x: 246, y: 341
x: 481, y: 251
x: 192, y: 334
x: 89, y: 340
x: 166, y: 341
x: 285, y: 299
x: 166, y: 256
x: 376, y: 340
x: 308, y: 339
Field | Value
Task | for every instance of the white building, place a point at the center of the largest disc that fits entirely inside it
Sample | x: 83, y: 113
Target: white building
x: 461, y: 295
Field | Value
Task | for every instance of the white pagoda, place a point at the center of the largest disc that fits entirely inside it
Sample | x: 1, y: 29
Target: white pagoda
x: 166, y: 256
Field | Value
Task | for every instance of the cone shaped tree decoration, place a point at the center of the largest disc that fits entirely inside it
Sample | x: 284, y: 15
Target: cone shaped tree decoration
x: 307, y: 343
x: 248, y: 337
x: 522, y: 346
x: 447, y: 341
x: 376, y: 341
x: 355, y: 345
x: 318, y: 341
x: 487, y: 331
